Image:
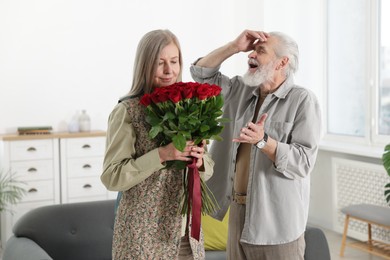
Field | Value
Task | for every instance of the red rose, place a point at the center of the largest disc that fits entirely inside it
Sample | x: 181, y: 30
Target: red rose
x: 187, y: 92
x: 146, y: 100
x: 180, y: 84
x: 193, y: 84
x: 216, y: 90
x: 174, y: 95
x: 204, y: 91
x: 159, y: 95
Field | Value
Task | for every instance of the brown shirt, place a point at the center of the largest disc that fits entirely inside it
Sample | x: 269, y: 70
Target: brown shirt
x: 243, y: 155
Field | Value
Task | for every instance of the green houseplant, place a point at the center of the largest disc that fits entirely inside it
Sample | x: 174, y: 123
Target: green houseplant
x: 11, y: 190
x: 386, y: 164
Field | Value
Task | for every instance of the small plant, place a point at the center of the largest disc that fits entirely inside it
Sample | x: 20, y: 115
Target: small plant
x: 10, y: 191
x: 386, y: 164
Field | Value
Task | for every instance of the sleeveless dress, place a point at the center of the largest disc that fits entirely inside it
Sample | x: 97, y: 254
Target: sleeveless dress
x: 147, y: 224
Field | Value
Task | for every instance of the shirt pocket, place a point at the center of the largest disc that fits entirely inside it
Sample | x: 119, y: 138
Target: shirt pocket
x: 280, y: 131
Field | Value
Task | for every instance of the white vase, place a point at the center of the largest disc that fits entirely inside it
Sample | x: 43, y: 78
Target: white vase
x: 73, y: 126
x: 84, y: 122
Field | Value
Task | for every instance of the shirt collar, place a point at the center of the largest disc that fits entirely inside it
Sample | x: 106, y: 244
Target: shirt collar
x: 282, y: 91
x: 286, y: 86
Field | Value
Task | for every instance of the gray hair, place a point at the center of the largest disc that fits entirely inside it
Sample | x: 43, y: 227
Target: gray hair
x: 147, y: 57
x: 287, y: 47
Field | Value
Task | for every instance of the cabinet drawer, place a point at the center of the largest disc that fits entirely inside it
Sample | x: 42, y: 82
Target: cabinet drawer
x: 33, y: 170
x: 84, y: 187
x: 84, y: 167
x: 31, y: 150
x: 82, y: 147
x: 39, y: 190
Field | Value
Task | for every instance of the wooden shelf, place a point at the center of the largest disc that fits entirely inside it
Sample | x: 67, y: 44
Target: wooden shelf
x: 376, y: 248
x: 16, y: 137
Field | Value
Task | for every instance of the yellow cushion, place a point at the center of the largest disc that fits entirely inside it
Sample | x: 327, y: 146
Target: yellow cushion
x: 215, y: 232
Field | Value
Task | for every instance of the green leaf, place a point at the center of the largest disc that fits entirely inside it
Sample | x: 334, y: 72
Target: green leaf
x: 169, y: 133
x: 173, y: 126
x: 11, y: 190
x: 216, y: 130
x: 169, y: 116
x: 223, y: 120
x: 187, y: 135
x: 387, y: 193
x: 204, y: 128
x: 194, y: 121
x: 154, y: 131
x: 153, y: 120
x: 198, y: 140
x: 179, y: 141
x: 386, y: 158
x: 183, y: 119
x: 386, y: 164
x: 216, y: 138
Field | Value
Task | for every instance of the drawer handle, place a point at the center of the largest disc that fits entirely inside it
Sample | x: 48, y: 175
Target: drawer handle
x: 86, y: 146
x: 87, y: 186
x: 32, y: 190
x: 31, y: 149
x: 87, y: 166
x: 32, y: 169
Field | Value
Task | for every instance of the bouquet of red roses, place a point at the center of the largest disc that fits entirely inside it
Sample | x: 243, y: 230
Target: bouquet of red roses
x: 182, y: 112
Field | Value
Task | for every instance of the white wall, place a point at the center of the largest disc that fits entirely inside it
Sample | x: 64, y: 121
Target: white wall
x: 57, y: 57
x: 304, y: 21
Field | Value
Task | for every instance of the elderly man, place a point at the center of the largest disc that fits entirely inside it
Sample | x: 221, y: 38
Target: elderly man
x: 262, y: 168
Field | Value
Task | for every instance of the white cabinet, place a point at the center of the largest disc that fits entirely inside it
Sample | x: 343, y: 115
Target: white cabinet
x: 35, y: 162
x: 81, y: 167
x: 55, y: 168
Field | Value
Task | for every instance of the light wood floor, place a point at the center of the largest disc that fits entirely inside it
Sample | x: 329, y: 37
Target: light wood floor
x: 334, y: 241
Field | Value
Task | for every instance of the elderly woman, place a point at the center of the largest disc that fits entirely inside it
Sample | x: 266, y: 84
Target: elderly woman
x: 147, y: 224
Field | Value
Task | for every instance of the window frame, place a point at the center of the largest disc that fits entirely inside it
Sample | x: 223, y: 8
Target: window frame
x: 375, y: 29
x: 372, y: 139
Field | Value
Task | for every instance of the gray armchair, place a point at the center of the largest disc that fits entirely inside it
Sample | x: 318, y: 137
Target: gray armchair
x: 75, y: 231
x: 63, y: 232
x: 83, y: 231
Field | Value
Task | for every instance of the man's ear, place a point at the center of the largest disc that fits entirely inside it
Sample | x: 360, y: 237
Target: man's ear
x: 283, y: 63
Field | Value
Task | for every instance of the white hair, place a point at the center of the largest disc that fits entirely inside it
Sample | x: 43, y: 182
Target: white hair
x: 286, y: 46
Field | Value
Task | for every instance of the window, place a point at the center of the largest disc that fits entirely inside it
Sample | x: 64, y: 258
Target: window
x: 384, y: 70
x: 358, y: 67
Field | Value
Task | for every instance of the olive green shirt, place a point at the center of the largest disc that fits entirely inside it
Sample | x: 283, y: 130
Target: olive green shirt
x: 121, y: 170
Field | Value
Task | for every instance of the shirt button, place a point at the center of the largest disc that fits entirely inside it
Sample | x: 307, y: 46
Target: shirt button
x: 231, y: 178
x: 228, y: 197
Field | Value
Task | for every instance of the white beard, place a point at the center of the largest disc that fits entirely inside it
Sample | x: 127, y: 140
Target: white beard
x: 262, y: 74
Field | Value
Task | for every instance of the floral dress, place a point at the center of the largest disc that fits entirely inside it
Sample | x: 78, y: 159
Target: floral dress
x: 147, y: 224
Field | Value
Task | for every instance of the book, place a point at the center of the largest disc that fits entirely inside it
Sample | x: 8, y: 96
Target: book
x: 34, y: 130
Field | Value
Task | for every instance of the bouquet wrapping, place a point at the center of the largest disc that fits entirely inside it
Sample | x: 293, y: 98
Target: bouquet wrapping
x: 178, y: 113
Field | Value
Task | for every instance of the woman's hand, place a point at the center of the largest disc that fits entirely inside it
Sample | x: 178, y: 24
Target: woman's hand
x: 198, y: 152
x: 170, y: 153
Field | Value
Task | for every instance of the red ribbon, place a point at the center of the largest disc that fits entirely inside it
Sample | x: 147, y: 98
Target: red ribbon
x: 194, y: 199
